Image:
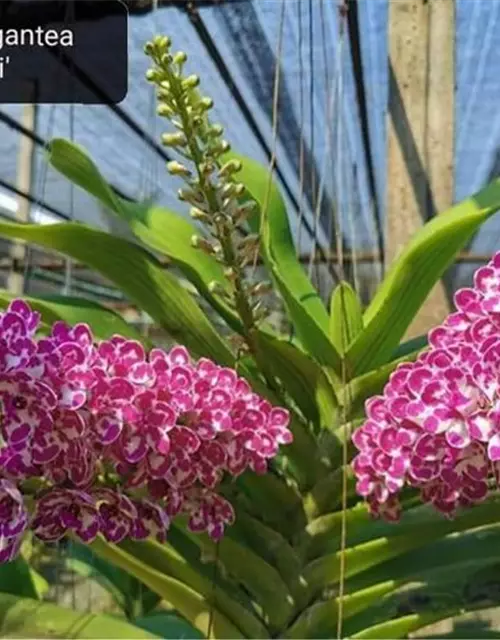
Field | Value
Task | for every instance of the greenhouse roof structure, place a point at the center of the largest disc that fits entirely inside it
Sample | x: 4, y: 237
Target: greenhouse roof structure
x: 334, y: 73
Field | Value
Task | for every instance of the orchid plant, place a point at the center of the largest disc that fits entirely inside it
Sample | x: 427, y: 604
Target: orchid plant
x: 238, y: 478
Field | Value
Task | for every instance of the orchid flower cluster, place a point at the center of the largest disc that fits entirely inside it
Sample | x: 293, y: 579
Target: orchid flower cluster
x: 437, y: 425
x: 106, y: 438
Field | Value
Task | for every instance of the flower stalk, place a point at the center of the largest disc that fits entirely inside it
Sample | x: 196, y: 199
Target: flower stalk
x: 212, y: 189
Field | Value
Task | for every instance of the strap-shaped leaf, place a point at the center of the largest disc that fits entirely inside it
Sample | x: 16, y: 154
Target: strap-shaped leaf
x: 168, y: 626
x: 188, y: 602
x: 25, y: 618
x: 138, y: 274
x: 303, y: 378
x: 19, y: 579
x: 451, y: 572
x: 166, y: 559
x: 412, y: 276
x: 158, y: 227
x: 361, y: 557
x: 260, y: 579
x: 305, y: 307
x: 411, y: 346
x: 133, y: 598
x: 346, y: 316
x: 274, y: 549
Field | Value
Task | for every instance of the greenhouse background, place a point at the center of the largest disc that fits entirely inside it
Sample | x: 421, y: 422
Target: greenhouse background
x: 309, y: 87
x: 239, y: 73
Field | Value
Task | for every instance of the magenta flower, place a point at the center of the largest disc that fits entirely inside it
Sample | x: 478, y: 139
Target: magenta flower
x: 436, y: 427
x: 117, y: 514
x: 13, y: 520
x: 63, y: 510
x: 100, y: 424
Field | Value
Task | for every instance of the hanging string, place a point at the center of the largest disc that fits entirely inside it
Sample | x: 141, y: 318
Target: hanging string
x: 68, y: 263
x: 70, y: 18
x: 149, y: 169
x: 275, y: 117
x: 339, y: 243
x: 352, y: 209
x: 39, y: 197
x: 332, y: 108
x: 301, y: 124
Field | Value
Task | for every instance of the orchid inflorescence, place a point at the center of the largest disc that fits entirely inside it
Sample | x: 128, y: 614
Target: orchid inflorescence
x: 102, y: 437
x: 437, y: 425
x: 218, y: 200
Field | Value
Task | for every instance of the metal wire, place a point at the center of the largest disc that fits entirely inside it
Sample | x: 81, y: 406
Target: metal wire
x: 275, y: 117
x: 301, y: 125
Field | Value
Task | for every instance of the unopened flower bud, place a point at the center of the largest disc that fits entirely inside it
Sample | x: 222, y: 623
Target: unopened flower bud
x: 262, y: 289
x: 227, y: 189
x: 239, y: 189
x: 218, y: 289
x: 177, y: 169
x: 161, y: 43
x: 215, y: 131
x: 222, y: 219
x: 202, y: 243
x: 174, y: 139
x: 249, y: 245
x: 190, y: 82
x: 190, y: 196
x: 198, y: 214
x: 206, y: 168
x: 149, y: 48
x: 220, y: 148
x: 165, y: 59
x: 153, y: 75
x: 164, y: 111
x: 230, y: 273
x: 180, y: 57
x: 231, y: 167
x: 244, y: 211
x: 205, y: 104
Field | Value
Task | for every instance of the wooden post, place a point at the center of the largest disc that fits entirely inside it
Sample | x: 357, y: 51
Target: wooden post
x: 18, y: 253
x: 420, y: 129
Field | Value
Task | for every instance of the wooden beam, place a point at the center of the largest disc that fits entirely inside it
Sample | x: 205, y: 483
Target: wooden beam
x: 420, y: 143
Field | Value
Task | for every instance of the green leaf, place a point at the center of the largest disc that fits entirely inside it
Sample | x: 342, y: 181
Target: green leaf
x: 363, y: 556
x: 166, y: 559
x: 415, y: 345
x: 346, y: 316
x: 259, y: 578
x: 72, y: 310
x: 138, y: 274
x: 443, y: 573
x: 326, y: 495
x: 130, y: 594
x: 305, y: 307
x: 26, y: 618
x: 303, y: 378
x: 168, y: 625
x: 401, y: 627
x: 159, y: 228
x: 19, y: 579
x: 412, y: 276
x: 272, y: 500
x: 189, y: 603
